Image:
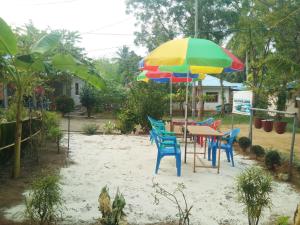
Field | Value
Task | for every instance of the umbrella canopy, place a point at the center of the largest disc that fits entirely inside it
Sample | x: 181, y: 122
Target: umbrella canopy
x: 190, y: 52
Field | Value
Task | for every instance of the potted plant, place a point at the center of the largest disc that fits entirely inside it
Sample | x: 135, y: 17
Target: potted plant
x: 268, y: 125
x: 280, y: 126
x: 259, y: 116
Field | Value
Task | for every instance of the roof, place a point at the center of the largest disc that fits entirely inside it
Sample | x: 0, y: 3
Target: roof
x: 211, y: 81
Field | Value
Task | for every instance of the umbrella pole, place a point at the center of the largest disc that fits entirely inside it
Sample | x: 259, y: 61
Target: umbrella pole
x: 186, y: 115
x: 171, y: 101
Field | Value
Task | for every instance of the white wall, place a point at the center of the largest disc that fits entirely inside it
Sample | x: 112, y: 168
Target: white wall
x: 290, y: 105
x: 76, y: 97
x: 211, y: 106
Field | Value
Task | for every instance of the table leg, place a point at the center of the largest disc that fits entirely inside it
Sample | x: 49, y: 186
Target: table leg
x: 219, y: 155
x: 205, y: 143
x: 195, y: 143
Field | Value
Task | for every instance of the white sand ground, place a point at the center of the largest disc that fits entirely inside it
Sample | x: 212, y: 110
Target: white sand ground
x: 127, y: 163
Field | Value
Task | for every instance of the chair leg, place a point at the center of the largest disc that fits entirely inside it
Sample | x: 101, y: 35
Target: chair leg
x: 231, y: 156
x: 227, y: 154
x: 157, y: 163
x: 178, y: 165
x: 209, y: 152
x: 214, y: 154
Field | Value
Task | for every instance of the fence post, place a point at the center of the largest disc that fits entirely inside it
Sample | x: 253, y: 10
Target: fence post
x: 250, y: 128
x: 68, y: 134
x: 292, y: 147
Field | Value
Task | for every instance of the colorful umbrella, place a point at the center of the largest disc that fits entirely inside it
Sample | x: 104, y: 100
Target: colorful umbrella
x: 191, y: 55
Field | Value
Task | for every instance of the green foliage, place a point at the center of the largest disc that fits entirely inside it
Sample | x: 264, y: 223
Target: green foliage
x: 282, y: 220
x: 44, y: 202
x: 90, y: 129
x: 64, y: 104
x: 244, y: 143
x: 112, y: 214
x: 143, y: 99
x: 109, y: 127
x: 8, y: 41
x: 257, y: 150
x: 55, y: 133
x: 88, y: 98
x: 272, y: 159
x: 50, y: 120
x: 254, y: 187
x: 10, y: 113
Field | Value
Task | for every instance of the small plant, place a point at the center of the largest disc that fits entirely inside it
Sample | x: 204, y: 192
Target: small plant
x: 254, y: 187
x: 272, y: 159
x: 44, y: 202
x: 282, y: 220
x: 112, y: 214
x: 257, y: 150
x: 184, y: 211
x: 56, y: 134
x: 244, y: 143
x: 109, y: 127
x: 50, y: 120
x: 64, y: 104
x: 126, y: 121
x: 90, y: 129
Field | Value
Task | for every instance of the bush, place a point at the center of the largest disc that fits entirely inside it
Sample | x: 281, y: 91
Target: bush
x: 112, y: 214
x: 282, y: 220
x: 55, y: 134
x: 272, y: 159
x: 90, y: 129
x: 11, y: 112
x: 144, y: 99
x: 64, y: 104
x: 109, y: 127
x: 254, y: 187
x: 88, y: 98
x: 257, y: 150
x: 44, y: 202
x: 244, y: 143
x: 50, y: 120
x: 126, y: 121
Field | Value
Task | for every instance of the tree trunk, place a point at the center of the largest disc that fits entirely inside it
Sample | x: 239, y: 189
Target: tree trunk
x: 18, y: 135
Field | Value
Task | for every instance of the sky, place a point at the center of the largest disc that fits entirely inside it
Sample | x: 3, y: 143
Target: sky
x: 103, y: 24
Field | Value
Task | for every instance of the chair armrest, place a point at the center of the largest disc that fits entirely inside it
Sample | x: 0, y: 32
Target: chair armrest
x: 169, y: 138
x: 164, y: 132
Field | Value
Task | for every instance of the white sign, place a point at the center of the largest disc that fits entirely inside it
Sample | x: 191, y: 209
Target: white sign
x: 242, y: 102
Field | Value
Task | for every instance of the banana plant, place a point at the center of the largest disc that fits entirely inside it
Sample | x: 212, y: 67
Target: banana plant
x: 24, y: 71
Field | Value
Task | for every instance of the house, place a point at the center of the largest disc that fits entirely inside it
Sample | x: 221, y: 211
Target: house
x: 212, y: 90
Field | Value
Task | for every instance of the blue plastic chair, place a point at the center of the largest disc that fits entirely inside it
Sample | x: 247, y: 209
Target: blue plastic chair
x: 213, y: 146
x: 160, y: 126
x: 207, y: 122
x: 166, y: 146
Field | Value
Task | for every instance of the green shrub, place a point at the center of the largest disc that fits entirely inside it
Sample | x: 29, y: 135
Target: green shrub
x: 112, y: 214
x: 90, y: 129
x: 272, y: 159
x: 11, y: 112
x: 50, y: 120
x: 44, y: 202
x: 88, y: 98
x: 126, y: 121
x: 144, y: 99
x: 55, y: 134
x: 109, y: 127
x: 64, y: 104
x: 257, y: 150
x: 244, y: 143
x: 282, y: 220
x: 254, y: 187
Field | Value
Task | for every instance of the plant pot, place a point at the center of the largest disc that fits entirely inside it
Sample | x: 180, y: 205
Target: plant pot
x: 258, y: 122
x: 280, y: 127
x: 268, y: 125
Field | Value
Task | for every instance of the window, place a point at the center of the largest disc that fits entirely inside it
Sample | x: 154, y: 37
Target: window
x: 76, y: 89
x: 212, y: 97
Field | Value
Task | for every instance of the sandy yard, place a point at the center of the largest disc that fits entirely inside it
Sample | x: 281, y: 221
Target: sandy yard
x: 127, y: 163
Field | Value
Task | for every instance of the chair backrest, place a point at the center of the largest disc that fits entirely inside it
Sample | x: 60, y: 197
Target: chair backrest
x: 206, y: 122
x: 216, y: 124
x: 233, y: 134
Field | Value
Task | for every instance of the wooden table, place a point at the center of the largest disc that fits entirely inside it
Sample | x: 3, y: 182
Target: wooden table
x: 205, y: 131
x: 181, y: 122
